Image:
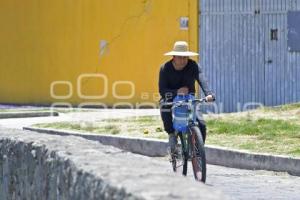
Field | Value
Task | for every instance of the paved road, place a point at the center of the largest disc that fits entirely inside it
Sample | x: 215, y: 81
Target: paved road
x: 248, y: 184
x: 239, y: 184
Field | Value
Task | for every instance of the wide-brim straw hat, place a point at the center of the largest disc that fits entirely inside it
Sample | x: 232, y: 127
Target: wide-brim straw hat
x: 181, y: 48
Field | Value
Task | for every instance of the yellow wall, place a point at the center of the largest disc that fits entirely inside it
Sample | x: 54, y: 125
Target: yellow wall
x: 58, y: 40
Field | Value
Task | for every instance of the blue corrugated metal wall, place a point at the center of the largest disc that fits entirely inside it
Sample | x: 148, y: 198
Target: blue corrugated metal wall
x: 243, y: 65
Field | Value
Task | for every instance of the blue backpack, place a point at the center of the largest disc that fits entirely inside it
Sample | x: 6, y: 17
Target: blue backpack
x: 181, y: 115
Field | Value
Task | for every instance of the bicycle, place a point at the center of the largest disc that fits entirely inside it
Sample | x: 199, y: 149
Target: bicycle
x: 185, y: 123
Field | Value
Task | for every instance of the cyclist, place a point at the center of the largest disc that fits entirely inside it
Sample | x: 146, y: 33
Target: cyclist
x: 177, y: 77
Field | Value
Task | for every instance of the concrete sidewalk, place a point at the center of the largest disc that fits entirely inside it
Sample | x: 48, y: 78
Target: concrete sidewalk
x: 92, y: 115
x: 27, y: 114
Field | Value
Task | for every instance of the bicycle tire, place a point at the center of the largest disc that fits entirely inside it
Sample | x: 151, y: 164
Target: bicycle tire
x: 198, y: 154
x: 184, y: 156
x: 174, y: 164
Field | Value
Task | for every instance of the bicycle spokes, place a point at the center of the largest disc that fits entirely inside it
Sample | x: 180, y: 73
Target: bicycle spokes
x: 196, y: 158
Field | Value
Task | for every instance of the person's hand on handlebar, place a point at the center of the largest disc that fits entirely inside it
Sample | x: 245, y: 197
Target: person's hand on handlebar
x: 183, y: 91
x: 209, y: 98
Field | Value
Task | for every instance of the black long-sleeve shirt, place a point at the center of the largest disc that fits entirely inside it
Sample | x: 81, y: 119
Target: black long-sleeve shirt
x: 170, y: 79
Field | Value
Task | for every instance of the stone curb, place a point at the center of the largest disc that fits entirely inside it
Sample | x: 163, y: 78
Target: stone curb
x: 214, y: 155
x: 144, y: 146
x: 6, y: 115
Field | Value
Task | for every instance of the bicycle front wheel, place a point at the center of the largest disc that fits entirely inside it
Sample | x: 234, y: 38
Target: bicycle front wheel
x: 184, y: 153
x: 198, y: 154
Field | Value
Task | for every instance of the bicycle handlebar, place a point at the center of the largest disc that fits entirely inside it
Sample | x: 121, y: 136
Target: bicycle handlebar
x: 184, y: 101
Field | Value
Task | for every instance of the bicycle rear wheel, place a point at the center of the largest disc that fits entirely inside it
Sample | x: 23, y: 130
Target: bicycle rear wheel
x: 198, y: 154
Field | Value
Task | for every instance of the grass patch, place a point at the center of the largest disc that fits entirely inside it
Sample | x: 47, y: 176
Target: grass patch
x: 285, y: 107
x: 263, y: 128
x: 259, y: 135
x: 113, y: 129
x: 295, y: 151
x: 147, y: 126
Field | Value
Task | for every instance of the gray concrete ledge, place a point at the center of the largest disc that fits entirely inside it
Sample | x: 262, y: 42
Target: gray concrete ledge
x: 143, y: 146
x: 215, y: 155
x: 5, y: 115
x: 42, y: 166
x: 254, y: 161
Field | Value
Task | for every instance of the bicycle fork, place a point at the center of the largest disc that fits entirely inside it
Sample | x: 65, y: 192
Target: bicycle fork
x: 185, y: 145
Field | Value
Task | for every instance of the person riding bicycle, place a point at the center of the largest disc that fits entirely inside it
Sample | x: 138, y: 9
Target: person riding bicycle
x: 177, y: 77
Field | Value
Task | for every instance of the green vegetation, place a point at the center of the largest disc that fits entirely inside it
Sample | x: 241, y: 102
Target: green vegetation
x: 264, y: 130
x: 146, y: 126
